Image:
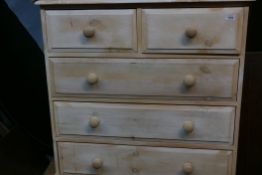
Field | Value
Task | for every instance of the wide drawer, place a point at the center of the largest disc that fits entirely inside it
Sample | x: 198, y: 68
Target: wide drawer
x: 195, y: 123
x: 90, y: 159
x: 91, y: 30
x: 169, y: 78
x: 194, y: 30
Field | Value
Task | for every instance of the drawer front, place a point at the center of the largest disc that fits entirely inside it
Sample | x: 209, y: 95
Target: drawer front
x: 145, y: 77
x: 129, y: 160
x: 145, y: 121
x: 199, y: 30
x: 91, y: 30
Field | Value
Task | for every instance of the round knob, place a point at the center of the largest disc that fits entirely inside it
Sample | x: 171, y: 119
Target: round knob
x: 97, y: 163
x: 190, y: 80
x: 188, y: 168
x: 188, y: 126
x: 191, y: 33
x: 92, y: 78
x: 94, y: 122
x: 89, y: 32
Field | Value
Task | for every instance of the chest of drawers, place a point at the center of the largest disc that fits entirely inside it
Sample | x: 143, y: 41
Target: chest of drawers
x: 145, y: 87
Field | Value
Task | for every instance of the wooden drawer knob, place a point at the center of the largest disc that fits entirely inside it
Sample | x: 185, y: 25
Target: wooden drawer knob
x: 191, y: 33
x: 189, y: 80
x: 92, y: 78
x: 97, y: 163
x: 94, y: 122
x: 89, y: 32
x: 188, y: 168
x: 188, y: 126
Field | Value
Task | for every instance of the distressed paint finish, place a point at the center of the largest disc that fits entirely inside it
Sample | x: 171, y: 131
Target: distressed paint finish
x: 131, y: 82
x: 146, y: 121
x: 63, y: 2
x: 146, y: 77
x: 218, y: 30
x: 130, y: 160
x: 115, y: 30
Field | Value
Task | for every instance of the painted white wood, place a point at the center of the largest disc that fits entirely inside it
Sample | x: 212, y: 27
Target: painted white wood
x: 146, y: 77
x: 53, y: 2
x: 146, y: 121
x: 218, y: 30
x: 138, y: 75
x: 130, y: 160
x: 115, y: 30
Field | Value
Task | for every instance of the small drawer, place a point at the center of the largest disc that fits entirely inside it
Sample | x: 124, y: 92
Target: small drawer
x: 89, y: 159
x: 193, y: 123
x: 91, y: 30
x: 151, y: 78
x: 194, y: 30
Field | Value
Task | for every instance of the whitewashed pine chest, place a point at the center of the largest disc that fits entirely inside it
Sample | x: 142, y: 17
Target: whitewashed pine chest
x: 145, y: 87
